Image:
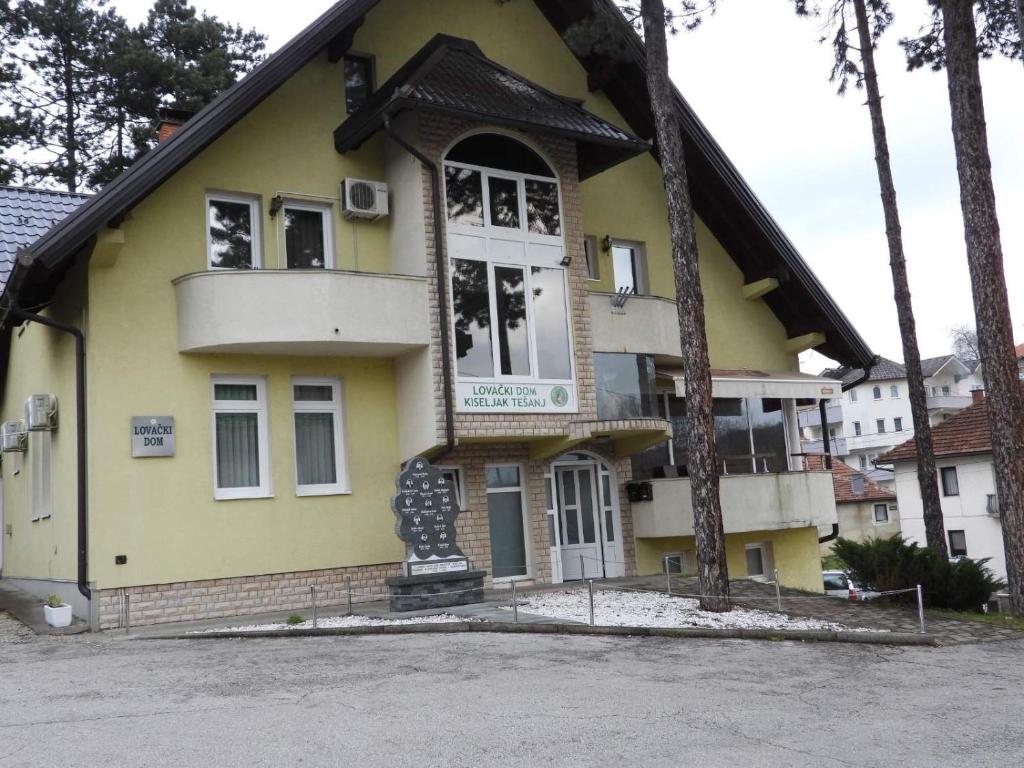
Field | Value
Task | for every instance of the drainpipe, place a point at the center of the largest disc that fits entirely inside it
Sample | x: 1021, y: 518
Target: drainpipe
x: 826, y: 439
x: 442, y: 295
x: 83, y: 553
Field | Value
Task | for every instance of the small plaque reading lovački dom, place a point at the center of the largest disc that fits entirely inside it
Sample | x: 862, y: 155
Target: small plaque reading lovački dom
x: 152, y: 436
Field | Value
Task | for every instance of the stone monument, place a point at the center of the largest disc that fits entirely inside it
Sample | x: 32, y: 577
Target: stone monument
x: 437, y: 573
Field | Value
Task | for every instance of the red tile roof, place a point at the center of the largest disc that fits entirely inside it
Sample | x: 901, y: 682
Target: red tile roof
x: 964, y: 433
x: 842, y: 482
x: 1019, y: 351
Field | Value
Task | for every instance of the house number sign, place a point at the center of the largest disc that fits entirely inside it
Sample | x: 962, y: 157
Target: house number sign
x: 152, y: 436
x: 425, y: 511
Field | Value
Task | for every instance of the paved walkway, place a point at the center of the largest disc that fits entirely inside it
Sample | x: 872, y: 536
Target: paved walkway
x: 28, y: 610
x: 880, y: 614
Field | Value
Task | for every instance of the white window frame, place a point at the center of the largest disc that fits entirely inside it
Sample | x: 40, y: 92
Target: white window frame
x: 40, y: 451
x: 853, y: 395
x: 880, y: 426
x: 767, y: 560
x: 460, y: 482
x: 524, y: 507
x: 894, y: 392
x: 876, y: 393
x: 260, y: 408
x: 897, y: 424
x: 639, y: 264
x: 592, y: 255
x: 492, y: 260
x: 874, y: 514
x: 856, y: 429
x: 862, y: 461
x: 326, y: 211
x: 943, y: 473
x: 254, y: 216
x: 337, y: 409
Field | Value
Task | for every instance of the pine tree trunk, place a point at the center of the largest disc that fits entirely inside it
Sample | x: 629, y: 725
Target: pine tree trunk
x: 70, y: 136
x: 700, y: 433
x: 935, y: 534
x: 988, y: 282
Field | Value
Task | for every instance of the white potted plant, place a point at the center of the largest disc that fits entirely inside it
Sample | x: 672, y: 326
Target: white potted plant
x: 58, y: 614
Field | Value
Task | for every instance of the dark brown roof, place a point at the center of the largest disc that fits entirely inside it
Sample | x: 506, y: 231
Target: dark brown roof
x: 452, y: 75
x: 963, y: 433
x: 842, y: 482
x: 884, y: 369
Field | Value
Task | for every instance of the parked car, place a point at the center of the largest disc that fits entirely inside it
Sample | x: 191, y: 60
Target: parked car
x: 839, y: 584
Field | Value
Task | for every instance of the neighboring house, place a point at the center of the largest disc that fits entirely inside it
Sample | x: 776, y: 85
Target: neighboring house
x: 874, y: 415
x: 1019, y: 351
x: 865, y: 510
x: 243, y: 286
x: 967, y: 491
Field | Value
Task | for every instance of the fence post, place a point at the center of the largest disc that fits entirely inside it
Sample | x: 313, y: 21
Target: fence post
x: 127, y: 611
x: 668, y: 577
x: 312, y: 596
x: 590, y: 584
x: 778, y: 592
x: 583, y: 571
x: 920, y: 608
x: 348, y: 589
x: 515, y: 605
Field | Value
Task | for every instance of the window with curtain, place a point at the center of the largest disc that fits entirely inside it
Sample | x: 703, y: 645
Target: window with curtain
x: 307, y: 236
x: 319, y: 445
x: 241, y: 461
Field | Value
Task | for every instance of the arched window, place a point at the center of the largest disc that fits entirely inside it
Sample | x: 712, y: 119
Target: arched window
x: 508, y: 269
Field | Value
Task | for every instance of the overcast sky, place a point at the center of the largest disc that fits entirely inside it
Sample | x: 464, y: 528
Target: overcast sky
x: 758, y: 78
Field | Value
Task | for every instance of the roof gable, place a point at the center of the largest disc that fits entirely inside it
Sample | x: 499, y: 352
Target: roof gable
x: 722, y: 198
x: 963, y: 433
x: 842, y: 482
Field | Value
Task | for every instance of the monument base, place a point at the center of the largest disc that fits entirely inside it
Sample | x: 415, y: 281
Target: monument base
x: 436, y: 590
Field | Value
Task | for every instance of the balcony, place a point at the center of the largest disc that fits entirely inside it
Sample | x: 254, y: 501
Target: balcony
x: 838, y: 445
x: 811, y: 417
x: 763, y: 502
x: 302, y: 312
x: 644, y: 325
x: 948, y: 402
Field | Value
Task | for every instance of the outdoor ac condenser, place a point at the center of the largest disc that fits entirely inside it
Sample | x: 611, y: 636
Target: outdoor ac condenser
x: 41, y: 413
x: 13, y: 438
x: 361, y: 199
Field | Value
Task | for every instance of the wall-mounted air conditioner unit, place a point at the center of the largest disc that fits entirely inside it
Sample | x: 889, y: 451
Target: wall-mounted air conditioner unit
x: 41, y: 413
x: 362, y: 199
x: 13, y: 437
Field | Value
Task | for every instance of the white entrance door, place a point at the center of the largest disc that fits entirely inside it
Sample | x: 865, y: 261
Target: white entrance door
x: 581, y: 534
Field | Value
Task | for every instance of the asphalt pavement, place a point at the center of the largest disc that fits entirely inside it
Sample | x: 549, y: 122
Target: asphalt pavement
x: 497, y: 700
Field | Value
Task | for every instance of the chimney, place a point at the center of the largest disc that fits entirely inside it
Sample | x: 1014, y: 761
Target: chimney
x: 977, y: 396
x: 169, y: 121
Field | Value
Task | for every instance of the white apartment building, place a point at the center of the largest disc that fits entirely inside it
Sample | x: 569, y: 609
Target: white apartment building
x: 967, y: 492
x: 874, y: 416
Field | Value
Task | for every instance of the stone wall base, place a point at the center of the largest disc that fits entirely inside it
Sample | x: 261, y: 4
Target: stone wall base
x: 242, y: 595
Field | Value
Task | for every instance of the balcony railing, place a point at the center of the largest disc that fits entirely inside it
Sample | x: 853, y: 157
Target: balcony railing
x: 302, y: 312
x: 948, y: 402
x: 749, y: 503
x: 811, y: 417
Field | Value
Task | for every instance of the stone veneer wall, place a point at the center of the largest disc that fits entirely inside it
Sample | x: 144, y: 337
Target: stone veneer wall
x: 242, y: 595
x: 434, y: 135
x: 472, y: 524
x: 247, y: 595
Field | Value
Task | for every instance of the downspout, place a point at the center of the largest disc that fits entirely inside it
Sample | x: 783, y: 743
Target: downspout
x: 83, y: 552
x: 442, y: 296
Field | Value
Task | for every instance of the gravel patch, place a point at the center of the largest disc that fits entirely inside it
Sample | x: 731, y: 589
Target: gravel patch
x: 650, y: 609
x: 333, y: 622
x: 13, y: 631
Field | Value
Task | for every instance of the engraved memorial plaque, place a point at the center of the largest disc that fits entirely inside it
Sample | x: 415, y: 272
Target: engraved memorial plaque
x: 425, y: 511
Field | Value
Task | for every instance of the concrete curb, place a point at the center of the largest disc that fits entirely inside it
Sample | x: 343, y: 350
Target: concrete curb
x: 804, y: 635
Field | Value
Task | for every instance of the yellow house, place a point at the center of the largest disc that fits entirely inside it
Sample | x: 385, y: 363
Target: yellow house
x: 419, y: 229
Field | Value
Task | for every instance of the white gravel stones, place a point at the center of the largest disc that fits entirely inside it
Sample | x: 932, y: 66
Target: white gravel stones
x: 333, y: 622
x: 652, y: 609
